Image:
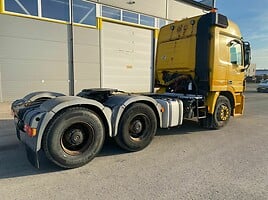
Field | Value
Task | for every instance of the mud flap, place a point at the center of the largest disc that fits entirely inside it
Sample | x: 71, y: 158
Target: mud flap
x: 239, y: 104
x: 32, y: 157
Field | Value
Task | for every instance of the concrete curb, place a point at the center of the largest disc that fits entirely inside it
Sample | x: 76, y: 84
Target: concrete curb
x: 5, y: 111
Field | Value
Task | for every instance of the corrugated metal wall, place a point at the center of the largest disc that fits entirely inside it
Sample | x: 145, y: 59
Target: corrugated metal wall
x: 178, y: 10
x: 127, y: 57
x: 86, y: 58
x: 33, y: 56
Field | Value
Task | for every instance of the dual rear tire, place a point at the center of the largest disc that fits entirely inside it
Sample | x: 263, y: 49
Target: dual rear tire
x: 74, y: 137
x: 137, y: 127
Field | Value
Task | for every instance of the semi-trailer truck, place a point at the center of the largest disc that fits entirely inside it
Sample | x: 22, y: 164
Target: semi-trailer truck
x: 199, y: 73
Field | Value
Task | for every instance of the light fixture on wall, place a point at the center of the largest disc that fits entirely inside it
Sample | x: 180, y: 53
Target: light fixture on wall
x: 131, y: 2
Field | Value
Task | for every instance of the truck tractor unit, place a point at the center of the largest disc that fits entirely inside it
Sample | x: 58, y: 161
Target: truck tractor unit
x: 199, y: 74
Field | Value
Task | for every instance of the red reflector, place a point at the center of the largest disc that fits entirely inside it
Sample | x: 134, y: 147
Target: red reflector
x: 30, y: 131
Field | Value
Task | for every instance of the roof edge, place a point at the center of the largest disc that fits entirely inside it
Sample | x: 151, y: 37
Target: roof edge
x: 197, y: 4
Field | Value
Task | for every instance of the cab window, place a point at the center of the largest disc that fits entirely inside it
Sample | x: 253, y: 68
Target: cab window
x: 236, y: 53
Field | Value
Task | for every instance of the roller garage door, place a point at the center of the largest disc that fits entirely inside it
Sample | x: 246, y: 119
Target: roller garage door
x: 127, y: 57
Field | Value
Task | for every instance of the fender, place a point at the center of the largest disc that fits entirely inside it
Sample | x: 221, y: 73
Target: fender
x: 230, y: 94
x: 53, y: 106
x: 30, y: 98
x: 121, y: 102
x: 237, y: 99
x: 42, y: 94
x: 211, y: 101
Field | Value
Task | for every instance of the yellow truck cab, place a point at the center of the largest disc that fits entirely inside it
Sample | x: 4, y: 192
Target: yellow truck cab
x: 204, y: 55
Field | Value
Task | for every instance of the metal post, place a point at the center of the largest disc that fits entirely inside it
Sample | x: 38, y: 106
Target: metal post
x: 214, y: 3
x: 71, y: 50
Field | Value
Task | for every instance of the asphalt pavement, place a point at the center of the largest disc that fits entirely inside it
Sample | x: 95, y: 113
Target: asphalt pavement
x: 185, y: 162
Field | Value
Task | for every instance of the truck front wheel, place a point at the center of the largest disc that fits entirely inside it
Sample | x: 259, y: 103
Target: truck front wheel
x: 221, y: 114
x: 137, y: 127
x: 74, y: 137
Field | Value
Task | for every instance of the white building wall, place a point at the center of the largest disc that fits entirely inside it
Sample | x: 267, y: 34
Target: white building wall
x: 127, y: 57
x: 86, y: 58
x: 178, y: 10
x: 33, y: 56
x: 251, y: 71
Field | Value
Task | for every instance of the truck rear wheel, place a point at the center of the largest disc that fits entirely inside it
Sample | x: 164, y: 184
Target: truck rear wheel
x: 221, y: 114
x: 74, y: 137
x: 137, y: 127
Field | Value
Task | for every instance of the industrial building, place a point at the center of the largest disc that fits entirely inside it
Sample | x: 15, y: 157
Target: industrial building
x: 251, y: 71
x: 68, y: 45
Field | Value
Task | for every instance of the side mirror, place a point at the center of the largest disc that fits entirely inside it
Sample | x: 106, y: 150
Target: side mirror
x: 247, y: 54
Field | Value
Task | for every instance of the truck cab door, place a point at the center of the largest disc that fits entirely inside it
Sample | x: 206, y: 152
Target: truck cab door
x: 235, y: 73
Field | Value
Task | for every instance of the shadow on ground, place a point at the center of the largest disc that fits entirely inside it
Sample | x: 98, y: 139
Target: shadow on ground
x: 14, y: 162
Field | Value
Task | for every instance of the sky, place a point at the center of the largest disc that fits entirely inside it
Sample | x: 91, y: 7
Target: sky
x: 252, y: 18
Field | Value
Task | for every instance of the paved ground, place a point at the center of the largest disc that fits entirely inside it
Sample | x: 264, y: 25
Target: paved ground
x: 181, y: 163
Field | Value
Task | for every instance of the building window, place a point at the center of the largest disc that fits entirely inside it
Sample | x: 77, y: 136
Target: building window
x: 56, y: 9
x: 111, y: 12
x: 84, y: 12
x: 205, y: 2
x: 162, y: 23
x: 146, y: 20
x: 130, y: 17
x: 27, y: 7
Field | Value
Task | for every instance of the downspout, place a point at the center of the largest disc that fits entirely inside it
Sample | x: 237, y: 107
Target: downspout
x: 71, y: 51
x: 214, y: 4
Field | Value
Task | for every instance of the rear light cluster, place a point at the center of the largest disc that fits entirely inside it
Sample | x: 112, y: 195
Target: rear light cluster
x: 30, y: 131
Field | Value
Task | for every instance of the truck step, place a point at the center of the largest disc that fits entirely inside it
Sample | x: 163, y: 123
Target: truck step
x: 202, y: 117
x: 201, y: 112
x: 201, y: 107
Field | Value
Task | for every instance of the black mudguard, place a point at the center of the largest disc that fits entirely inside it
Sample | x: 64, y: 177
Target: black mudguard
x: 33, y: 157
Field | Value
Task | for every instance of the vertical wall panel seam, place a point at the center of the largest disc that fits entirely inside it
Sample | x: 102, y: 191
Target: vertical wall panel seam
x: 100, y: 29
x: 1, y: 91
x: 167, y: 9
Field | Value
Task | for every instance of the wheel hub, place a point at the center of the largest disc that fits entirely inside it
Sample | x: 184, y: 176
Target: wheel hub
x: 137, y: 126
x: 224, y: 113
x: 76, y: 137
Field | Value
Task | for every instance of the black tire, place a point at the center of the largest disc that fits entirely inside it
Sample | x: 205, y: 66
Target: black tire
x: 137, y: 127
x: 221, y: 114
x: 73, y: 138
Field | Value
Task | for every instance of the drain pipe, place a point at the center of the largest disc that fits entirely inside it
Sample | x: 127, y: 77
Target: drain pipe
x: 214, y: 4
x: 71, y: 50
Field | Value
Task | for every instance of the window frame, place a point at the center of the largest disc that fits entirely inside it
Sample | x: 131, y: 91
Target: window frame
x: 53, y: 18
x: 22, y: 7
x: 112, y: 8
x: 148, y: 17
x: 95, y: 15
x: 153, y: 23
x: 129, y: 12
